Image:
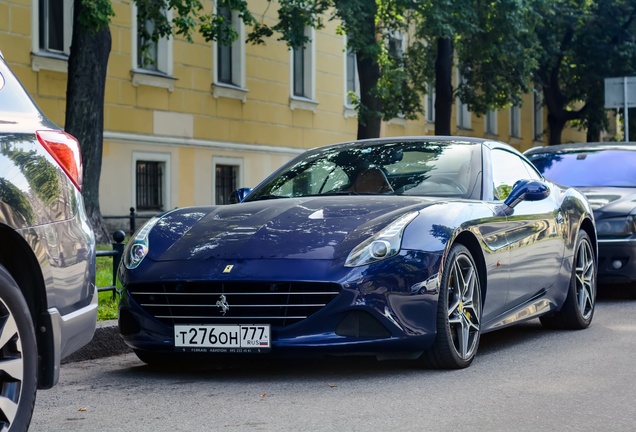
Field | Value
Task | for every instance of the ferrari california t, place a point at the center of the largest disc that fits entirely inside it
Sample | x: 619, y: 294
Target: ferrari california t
x: 398, y: 248
x: 606, y: 174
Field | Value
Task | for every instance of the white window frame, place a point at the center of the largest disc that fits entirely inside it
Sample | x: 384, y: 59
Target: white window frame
x: 308, y: 102
x: 464, y: 120
x: 537, y: 124
x: 349, y: 109
x: 490, y: 122
x: 162, y: 77
x: 152, y: 157
x: 44, y: 59
x: 515, y: 120
x: 223, y: 160
x: 225, y: 90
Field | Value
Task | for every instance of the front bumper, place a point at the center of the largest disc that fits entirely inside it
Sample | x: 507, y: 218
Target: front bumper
x: 385, y: 309
x: 617, y: 261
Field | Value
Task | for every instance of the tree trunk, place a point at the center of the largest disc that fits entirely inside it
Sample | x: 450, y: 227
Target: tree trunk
x: 87, y: 65
x: 369, y: 117
x: 443, y: 86
x: 555, y: 129
x: 364, y: 32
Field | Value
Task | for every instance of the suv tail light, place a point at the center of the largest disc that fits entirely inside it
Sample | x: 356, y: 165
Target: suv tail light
x: 65, y: 150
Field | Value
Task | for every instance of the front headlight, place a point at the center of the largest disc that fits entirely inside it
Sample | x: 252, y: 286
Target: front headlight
x: 137, y: 247
x: 382, y: 245
x: 613, y: 227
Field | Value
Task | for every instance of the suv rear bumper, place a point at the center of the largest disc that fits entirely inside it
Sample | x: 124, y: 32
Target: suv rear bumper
x: 71, y: 332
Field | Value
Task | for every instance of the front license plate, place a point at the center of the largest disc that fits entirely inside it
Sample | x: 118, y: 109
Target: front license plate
x: 222, y: 338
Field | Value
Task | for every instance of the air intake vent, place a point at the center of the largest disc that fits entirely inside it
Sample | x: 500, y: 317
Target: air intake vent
x: 362, y: 325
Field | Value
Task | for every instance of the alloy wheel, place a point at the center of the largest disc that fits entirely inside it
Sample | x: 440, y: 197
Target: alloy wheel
x: 464, y: 306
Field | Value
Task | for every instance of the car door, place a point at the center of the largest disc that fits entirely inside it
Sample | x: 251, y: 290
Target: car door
x: 533, y: 230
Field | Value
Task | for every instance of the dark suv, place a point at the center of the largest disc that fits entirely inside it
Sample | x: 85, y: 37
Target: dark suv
x: 48, y: 300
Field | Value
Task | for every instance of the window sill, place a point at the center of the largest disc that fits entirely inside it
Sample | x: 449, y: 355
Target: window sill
x: 229, y: 91
x: 44, y: 60
x: 399, y: 121
x: 152, y: 79
x: 350, y: 111
x: 296, y: 103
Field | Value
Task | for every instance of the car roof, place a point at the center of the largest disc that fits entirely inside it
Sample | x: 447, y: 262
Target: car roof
x: 440, y: 138
x: 581, y: 147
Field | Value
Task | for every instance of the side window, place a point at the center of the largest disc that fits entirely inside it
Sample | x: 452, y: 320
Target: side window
x: 507, y: 169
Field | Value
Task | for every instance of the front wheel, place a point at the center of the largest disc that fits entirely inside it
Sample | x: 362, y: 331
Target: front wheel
x: 578, y: 308
x: 18, y: 357
x: 458, y: 313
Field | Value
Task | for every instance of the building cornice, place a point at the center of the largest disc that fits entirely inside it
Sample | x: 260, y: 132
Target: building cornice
x: 192, y: 142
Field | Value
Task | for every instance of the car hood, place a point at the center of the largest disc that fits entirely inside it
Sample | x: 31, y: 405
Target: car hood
x: 610, y: 201
x: 291, y: 228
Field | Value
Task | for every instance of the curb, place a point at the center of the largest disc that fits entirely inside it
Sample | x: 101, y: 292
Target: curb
x: 105, y: 343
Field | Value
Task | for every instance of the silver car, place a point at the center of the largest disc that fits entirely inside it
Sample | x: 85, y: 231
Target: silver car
x: 48, y: 299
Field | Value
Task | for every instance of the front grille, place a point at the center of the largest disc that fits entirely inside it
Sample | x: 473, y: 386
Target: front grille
x: 278, y: 304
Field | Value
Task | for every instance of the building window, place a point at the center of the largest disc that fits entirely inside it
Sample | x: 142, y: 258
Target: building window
x: 463, y: 115
x: 299, y: 72
x: 149, y: 180
x: 157, y: 58
x: 351, y: 73
x: 227, y: 178
x: 224, y: 57
x: 430, y: 103
x: 303, y: 75
x: 491, y: 122
x: 538, y: 116
x: 54, y: 26
x: 515, y: 121
x: 229, y: 59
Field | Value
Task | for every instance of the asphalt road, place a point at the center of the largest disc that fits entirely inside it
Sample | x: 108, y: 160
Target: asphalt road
x: 525, y: 378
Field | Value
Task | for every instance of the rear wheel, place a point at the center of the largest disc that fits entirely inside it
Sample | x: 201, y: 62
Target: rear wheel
x: 18, y: 357
x: 578, y: 309
x: 458, y: 313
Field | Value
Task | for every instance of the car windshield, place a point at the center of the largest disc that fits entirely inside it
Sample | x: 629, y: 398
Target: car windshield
x: 608, y: 167
x: 427, y: 168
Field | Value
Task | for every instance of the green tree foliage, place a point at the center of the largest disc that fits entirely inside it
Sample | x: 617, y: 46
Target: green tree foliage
x: 582, y: 42
x: 491, y: 43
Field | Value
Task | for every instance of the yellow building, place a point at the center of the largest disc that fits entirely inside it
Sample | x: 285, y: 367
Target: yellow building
x: 202, y: 118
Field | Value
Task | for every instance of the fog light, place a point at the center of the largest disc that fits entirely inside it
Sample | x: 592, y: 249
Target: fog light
x: 617, y: 264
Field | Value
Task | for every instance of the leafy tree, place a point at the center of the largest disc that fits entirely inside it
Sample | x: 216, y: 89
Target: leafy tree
x: 492, y: 45
x: 582, y: 43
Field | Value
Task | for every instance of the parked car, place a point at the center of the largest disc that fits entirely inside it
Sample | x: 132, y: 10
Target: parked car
x: 398, y: 247
x: 48, y: 300
x: 606, y: 174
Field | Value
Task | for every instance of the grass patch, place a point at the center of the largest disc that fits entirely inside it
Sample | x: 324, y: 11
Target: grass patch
x: 107, y: 304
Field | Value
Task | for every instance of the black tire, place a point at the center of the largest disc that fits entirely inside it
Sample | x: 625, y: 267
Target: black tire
x: 578, y: 309
x: 18, y: 357
x: 458, y: 313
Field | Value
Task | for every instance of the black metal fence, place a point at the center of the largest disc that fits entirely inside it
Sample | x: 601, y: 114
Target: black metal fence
x: 132, y: 220
x: 116, y: 252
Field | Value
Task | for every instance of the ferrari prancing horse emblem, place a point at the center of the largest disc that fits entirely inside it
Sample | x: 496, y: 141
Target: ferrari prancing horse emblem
x: 222, y: 303
x: 228, y: 268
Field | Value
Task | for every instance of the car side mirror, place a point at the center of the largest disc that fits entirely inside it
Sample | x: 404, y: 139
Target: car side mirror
x: 239, y: 195
x: 527, y: 190
x: 523, y: 190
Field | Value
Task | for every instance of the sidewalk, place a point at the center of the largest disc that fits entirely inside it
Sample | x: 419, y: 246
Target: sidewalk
x: 105, y: 343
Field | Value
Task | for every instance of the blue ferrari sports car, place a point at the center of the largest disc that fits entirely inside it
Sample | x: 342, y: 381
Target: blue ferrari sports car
x: 399, y: 248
